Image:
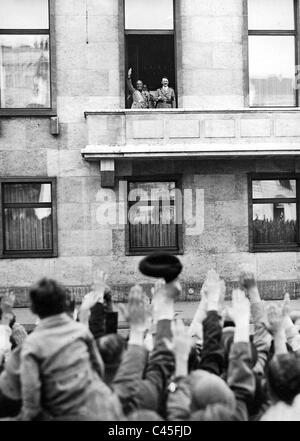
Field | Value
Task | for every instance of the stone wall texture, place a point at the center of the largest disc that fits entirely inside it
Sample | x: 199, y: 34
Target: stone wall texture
x: 89, y: 78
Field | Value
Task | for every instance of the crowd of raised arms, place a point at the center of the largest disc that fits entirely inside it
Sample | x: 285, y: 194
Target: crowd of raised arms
x: 239, y: 362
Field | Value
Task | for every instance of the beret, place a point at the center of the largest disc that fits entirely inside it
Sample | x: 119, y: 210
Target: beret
x: 161, y: 265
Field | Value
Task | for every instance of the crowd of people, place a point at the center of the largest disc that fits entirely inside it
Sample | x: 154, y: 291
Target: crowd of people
x: 232, y: 363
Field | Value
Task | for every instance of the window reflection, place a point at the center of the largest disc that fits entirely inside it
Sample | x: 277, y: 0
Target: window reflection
x: 24, y: 71
x: 271, y: 14
x: 28, y: 229
x: 145, y: 14
x: 24, y: 14
x: 266, y: 189
x: 28, y: 193
x: 274, y: 223
x: 272, y: 70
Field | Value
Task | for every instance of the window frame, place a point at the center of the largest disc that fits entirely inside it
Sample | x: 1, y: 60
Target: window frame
x: 266, y: 248
x: 18, y: 254
x: 124, y: 46
x: 179, y: 233
x: 52, y: 110
x: 295, y: 33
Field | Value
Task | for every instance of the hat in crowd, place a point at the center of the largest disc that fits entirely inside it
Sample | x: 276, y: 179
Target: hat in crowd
x: 161, y: 265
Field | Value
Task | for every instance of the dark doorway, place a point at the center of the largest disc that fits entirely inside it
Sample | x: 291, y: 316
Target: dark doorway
x: 151, y: 58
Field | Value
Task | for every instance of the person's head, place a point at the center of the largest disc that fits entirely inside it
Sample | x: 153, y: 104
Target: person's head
x: 213, y: 412
x: 111, y: 348
x: 139, y: 85
x: 12, y: 320
x: 283, y: 376
x: 47, y: 298
x: 165, y: 81
x: 144, y: 415
x: 145, y: 88
x: 209, y: 390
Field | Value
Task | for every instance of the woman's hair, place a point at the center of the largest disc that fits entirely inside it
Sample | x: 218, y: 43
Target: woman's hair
x: 283, y: 376
x: 13, y: 318
x: 48, y: 298
x: 111, y: 348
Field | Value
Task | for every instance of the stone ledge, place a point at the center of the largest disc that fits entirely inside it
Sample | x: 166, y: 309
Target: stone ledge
x: 269, y: 289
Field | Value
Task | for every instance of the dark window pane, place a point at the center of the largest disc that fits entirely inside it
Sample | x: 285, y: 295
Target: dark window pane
x: 27, y: 229
x: 271, y: 14
x: 267, y: 189
x: 24, y: 14
x: 27, y: 193
x: 272, y: 70
x: 145, y: 14
x: 24, y: 71
x: 274, y: 223
x: 151, y: 57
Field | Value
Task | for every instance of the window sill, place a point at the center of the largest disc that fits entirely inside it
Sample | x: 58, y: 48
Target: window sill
x: 29, y: 255
x: 144, y: 252
x: 274, y: 249
x: 27, y: 112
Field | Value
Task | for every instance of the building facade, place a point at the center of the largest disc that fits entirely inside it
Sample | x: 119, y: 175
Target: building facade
x: 71, y: 146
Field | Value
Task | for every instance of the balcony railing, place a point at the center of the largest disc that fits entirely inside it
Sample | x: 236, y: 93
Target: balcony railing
x: 193, y: 133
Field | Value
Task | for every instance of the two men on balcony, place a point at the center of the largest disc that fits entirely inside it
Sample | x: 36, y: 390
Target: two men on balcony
x: 163, y: 98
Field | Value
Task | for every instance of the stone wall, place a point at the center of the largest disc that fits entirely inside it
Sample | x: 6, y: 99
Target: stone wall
x: 89, y: 78
x: 84, y: 245
x: 211, y: 54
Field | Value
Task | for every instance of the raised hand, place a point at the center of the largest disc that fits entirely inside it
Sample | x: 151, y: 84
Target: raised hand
x: 163, y: 296
x: 138, y: 309
x: 18, y: 334
x: 286, y: 305
x: 248, y: 283
x: 129, y: 72
x: 246, y: 278
x: 181, y: 346
x: 240, y: 309
x: 277, y: 314
x: 240, y: 314
x: 90, y: 300
x: 100, y: 284
x: 214, y: 291
x: 275, y: 318
x: 99, y: 288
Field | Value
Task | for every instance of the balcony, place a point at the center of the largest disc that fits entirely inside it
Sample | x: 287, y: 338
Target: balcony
x: 181, y: 133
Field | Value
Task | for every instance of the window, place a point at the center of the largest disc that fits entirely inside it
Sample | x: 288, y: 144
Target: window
x: 273, y: 214
x: 149, y: 40
x: 25, y: 56
x: 272, y: 30
x: 154, y: 214
x: 28, y: 218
